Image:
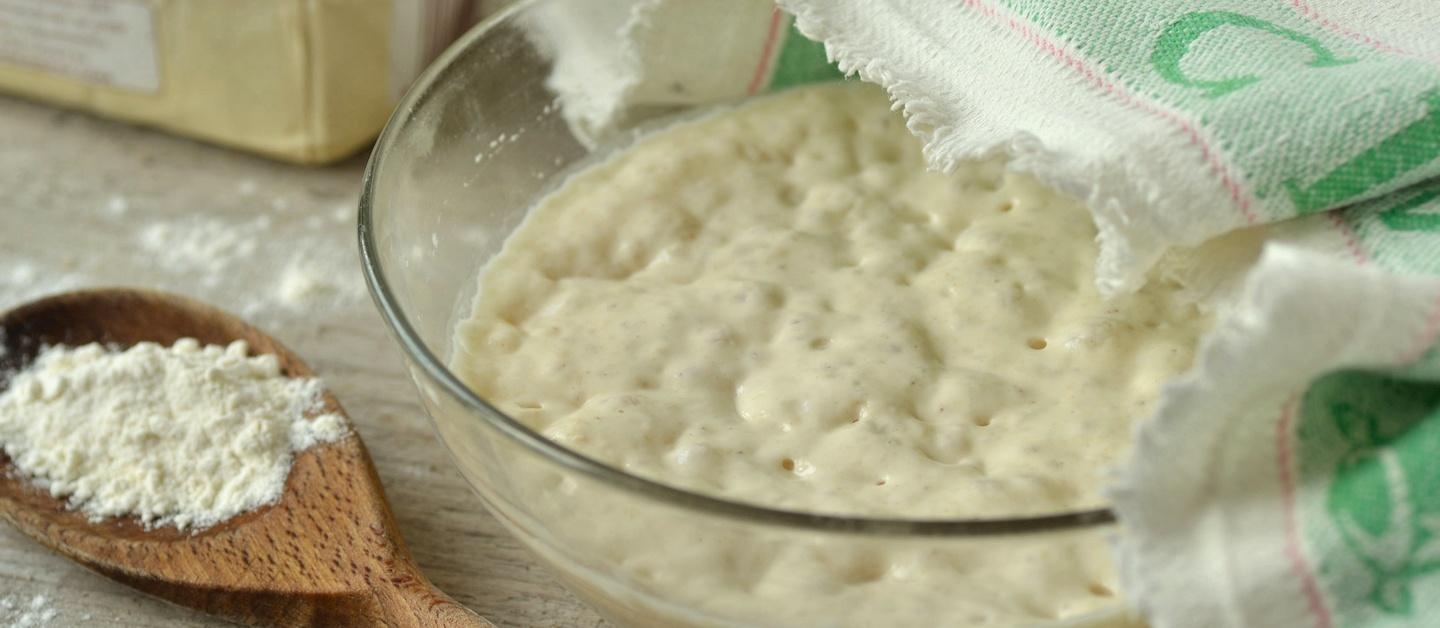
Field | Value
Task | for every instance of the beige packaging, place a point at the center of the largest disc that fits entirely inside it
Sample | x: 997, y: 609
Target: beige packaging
x: 307, y: 81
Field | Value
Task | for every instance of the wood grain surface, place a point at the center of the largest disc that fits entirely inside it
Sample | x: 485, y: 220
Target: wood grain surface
x: 77, y: 194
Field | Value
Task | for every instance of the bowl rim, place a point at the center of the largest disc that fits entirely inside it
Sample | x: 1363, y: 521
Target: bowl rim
x: 392, y: 311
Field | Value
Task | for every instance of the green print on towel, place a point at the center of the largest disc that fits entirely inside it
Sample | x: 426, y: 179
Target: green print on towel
x: 1402, y: 216
x: 1174, y: 43
x: 1415, y: 145
x: 802, y: 61
x: 1384, y: 488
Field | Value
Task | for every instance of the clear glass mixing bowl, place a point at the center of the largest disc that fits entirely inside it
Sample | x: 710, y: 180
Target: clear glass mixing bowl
x: 470, y: 148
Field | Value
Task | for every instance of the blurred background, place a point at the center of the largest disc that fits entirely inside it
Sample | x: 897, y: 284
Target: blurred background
x: 301, y: 81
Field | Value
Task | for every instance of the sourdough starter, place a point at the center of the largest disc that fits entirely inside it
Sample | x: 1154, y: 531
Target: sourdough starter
x: 778, y: 304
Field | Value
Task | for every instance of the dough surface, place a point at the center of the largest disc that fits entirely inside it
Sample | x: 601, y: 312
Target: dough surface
x: 781, y: 305
x: 778, y: 304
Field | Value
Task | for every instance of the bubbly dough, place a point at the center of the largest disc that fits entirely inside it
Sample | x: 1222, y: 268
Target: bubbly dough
x: 781, y: 305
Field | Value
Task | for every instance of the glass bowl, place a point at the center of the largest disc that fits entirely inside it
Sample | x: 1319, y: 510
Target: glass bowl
x: 470, y: 148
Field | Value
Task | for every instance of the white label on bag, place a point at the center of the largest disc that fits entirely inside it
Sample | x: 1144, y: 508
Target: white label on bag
x: 110, y: 42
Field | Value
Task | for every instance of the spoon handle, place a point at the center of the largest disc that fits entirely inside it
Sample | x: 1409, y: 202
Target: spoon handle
x: 419, y: 604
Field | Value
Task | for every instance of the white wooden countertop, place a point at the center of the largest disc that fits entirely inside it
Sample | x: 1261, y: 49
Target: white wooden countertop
x: 76, y: 195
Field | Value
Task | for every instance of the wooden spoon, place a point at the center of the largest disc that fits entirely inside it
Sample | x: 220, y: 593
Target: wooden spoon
x: 327, y: 553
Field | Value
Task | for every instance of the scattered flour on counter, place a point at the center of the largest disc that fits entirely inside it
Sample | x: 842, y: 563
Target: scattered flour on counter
x: 187, y: 436
x: 262, y: 265
x: 17, y: 612
x: 117, y: 206
x: 271, y: 267
x: 22, y: 281
x: 21, y: 274
x: 204, y: 245
x: 300, y: 283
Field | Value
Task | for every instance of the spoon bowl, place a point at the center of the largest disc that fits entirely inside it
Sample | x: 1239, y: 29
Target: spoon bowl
x: 327, y: 552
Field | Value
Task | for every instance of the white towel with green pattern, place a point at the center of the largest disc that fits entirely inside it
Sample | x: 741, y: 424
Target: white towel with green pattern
x: 1293, y: 477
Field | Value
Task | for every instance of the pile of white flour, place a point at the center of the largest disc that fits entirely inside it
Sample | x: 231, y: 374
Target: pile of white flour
x: 187, y: 436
